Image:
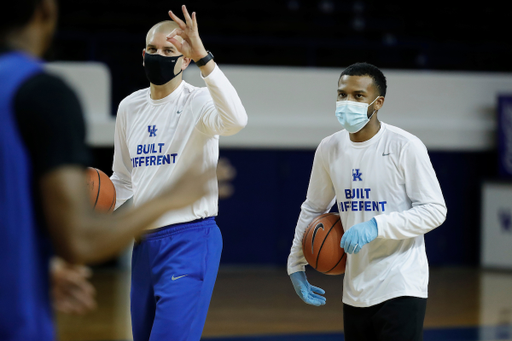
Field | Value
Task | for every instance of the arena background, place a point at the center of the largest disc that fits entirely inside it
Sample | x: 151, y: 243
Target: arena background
x: 439, y: 57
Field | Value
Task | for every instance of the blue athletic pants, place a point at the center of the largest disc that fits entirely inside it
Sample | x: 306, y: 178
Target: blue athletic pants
x: 174, y: 269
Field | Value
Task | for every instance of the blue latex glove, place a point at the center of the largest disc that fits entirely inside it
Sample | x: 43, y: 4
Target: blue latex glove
x: 359, y: 235
x: 307, y: 292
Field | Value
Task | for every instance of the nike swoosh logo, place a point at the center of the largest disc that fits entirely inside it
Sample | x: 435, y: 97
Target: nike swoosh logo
x: 385, y: 154
x: 317, y: 227
x: 179, y: 112
x: 175, y: 278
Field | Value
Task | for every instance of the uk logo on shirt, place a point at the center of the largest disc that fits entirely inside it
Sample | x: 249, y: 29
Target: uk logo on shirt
x: 152, y: 130
x: 356, y: 175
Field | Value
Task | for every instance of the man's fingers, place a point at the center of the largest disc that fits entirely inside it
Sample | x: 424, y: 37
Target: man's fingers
x: 318, y: 298
x: 350, y: 248
x: 343, y: 240
x: 77, y: 302
x: 175, y: 42
x: 188, y: 19
x: 317, y: 290
x: 84, y: 271
x: 63, y: 307
x: 85, y: 302
x: 173, y: 33
x: 315, y: 300
x: 177, y: 20
x: 194, y: 19
x: 189, y: 22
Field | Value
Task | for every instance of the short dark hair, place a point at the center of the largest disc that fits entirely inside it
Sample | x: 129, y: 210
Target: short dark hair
x: 17, y: 16
x: 366, y: 69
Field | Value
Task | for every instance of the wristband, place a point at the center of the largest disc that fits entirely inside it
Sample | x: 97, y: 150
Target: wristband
x: 205, y: 59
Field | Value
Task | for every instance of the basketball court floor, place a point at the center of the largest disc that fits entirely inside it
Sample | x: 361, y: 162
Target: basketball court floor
x: 259, y: 304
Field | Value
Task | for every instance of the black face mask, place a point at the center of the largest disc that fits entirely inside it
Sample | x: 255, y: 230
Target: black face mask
x: 160, y: 69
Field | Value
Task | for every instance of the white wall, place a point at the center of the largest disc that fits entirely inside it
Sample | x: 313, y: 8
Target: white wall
x: 292, y: 107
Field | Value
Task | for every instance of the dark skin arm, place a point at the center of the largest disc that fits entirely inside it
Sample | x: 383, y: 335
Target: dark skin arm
x: 81, y: 235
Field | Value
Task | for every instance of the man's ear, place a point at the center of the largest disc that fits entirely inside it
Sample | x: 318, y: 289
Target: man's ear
x: 185, y: 63
x: 379, y: 102
x: 143, y: 54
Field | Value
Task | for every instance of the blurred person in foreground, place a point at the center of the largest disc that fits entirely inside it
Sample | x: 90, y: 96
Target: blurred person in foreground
x: 44, y: 203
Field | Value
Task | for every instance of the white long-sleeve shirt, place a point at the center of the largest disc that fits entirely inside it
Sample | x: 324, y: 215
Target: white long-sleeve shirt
x: 157, y: 140
x: 389, y: 177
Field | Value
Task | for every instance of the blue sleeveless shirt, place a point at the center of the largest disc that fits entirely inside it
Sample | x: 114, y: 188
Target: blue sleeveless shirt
x: 25, y: 306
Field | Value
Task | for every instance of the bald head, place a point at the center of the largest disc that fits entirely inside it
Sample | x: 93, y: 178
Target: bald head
x: 157, y: 43
x: 163, y: 27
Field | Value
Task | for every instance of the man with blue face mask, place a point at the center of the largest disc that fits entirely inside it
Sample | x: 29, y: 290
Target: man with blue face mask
x: 388, y: 197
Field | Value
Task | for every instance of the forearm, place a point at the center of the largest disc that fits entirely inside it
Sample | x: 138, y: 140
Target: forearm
x: 98, y: 237
x: 81, y: 235
x: 230, y: 116
x: 319, y: 200
x: 207, y: 68
x: 411, y: 223
x: 428, y: 208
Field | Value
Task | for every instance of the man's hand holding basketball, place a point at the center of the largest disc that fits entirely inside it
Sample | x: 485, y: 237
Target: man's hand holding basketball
x: 359, y: 235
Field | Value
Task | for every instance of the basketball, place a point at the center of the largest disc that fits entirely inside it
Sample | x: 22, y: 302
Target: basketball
x: 321, y: 244
x: 101, y: 189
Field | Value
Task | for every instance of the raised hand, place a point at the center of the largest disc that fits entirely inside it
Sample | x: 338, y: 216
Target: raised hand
x: 190, y: 44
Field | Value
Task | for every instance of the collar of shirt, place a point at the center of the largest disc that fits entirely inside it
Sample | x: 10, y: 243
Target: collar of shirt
x: 169, y: 98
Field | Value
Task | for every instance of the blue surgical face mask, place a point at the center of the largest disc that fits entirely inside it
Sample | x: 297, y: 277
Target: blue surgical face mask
x: 353, y: 116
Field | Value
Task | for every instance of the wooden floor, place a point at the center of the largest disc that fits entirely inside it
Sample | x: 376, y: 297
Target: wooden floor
x: 261, y: 301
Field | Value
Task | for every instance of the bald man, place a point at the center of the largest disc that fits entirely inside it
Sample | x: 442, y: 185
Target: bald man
x: 159, y: 130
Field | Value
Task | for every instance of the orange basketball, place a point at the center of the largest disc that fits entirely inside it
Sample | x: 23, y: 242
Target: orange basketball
x: 101, y: 189
x: 321, y: 244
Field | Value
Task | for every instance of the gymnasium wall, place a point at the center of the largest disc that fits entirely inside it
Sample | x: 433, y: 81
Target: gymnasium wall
x: 291, y: 109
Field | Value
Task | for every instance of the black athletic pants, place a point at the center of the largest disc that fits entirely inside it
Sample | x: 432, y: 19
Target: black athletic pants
x: 398, y: 319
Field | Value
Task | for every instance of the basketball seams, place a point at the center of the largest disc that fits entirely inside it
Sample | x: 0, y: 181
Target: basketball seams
x: 323, y: 241
x: 99, y: 186
x: 305, y: 237
x: 113, y: 201
x: 341, y: 258
x: 314, y: 222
